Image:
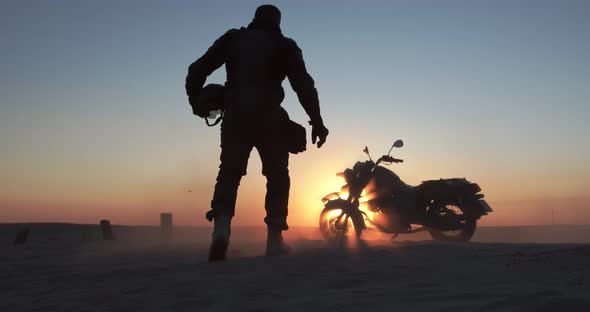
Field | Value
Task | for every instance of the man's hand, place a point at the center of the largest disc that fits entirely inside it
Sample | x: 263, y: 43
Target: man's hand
x: 197, y: 109
x: 318, y: 130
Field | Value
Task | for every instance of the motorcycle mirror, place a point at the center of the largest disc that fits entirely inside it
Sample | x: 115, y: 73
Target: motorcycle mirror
x: 398, y: 143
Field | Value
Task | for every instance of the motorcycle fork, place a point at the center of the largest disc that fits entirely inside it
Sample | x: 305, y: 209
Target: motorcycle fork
x: 353, y: 212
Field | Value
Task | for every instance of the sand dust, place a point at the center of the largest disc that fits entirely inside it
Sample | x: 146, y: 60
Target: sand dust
x: 67, y: 268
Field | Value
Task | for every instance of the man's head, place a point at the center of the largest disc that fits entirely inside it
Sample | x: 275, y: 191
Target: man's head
x: 268, y: 14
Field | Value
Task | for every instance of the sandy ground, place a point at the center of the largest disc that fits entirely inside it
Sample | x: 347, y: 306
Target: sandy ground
x: 67, y: 268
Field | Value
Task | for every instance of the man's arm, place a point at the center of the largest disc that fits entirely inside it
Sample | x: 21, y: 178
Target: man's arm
x: 205, y: 66
x: 302, y: 83
x: 304, y: 86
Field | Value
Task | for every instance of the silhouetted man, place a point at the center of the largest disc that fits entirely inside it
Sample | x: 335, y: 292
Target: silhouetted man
x: 257, y: 59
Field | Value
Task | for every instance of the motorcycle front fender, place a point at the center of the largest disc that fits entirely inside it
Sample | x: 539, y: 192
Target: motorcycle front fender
x: 331, y: 196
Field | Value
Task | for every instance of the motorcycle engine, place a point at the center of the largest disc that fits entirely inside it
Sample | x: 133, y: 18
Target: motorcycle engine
x: 391, y: 223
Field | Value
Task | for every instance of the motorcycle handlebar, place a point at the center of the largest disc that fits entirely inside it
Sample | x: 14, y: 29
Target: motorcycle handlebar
x: 389, y: 159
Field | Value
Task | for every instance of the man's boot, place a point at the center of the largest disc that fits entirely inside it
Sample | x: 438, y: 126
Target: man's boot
x: 220, y: 241
x: 275, y: 246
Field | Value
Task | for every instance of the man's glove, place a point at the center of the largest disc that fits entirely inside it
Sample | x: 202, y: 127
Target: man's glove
x: 318, y: 130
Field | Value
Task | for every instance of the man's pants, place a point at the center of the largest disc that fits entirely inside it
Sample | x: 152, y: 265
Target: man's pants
x: 237, y: 142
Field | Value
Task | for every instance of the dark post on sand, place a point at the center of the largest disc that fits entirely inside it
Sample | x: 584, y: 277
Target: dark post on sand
x: 21, y: 236
x: 107, y: 232
x: 166, y: 225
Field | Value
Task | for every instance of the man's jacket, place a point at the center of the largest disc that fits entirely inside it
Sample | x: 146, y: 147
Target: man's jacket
x: 257, y: 60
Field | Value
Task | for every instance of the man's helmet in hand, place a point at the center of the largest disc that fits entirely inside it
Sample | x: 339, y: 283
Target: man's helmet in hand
x: 211, y: 98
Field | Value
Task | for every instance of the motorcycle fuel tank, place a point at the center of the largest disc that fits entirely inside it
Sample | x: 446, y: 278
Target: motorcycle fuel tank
x: 385, y: 183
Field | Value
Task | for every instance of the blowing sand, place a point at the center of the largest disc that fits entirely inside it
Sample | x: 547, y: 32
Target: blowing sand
x: 65, y: 267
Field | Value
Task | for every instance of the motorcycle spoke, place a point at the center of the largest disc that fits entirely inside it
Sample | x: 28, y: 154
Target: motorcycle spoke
x: 452, y: 214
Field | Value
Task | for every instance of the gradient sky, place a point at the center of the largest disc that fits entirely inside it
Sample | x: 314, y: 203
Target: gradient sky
x: 94, y: 122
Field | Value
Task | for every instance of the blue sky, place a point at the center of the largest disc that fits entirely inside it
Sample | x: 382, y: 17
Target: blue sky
x: 92, y: 99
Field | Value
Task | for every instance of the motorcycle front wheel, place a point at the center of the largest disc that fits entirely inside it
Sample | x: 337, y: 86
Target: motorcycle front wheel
x: 335, y: 225
x: 468, y: 225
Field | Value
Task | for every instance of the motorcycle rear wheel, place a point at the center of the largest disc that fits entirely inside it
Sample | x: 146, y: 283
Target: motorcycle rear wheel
x: 462, y: 235
x: 328, y: 225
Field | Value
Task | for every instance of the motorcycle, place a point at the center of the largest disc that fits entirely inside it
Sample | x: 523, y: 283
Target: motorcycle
x: 374, y: 197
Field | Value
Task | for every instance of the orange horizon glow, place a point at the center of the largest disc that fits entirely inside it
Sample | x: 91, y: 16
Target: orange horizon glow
x: 83, y: 196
